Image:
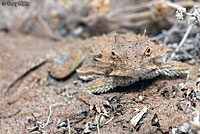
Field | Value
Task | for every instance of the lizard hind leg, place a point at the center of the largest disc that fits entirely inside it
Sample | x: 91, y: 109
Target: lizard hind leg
x: 100, y: 85
x: 65, y: 63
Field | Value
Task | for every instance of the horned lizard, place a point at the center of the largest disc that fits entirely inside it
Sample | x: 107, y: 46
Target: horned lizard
x: 106, y: 62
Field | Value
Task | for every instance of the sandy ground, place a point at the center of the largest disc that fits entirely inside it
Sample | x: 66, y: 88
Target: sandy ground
x: 26, y: 110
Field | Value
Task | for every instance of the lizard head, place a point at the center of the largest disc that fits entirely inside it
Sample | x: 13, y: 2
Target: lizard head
x: 130, y: 58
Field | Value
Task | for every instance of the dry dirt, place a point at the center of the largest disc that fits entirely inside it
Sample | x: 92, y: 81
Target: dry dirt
x: 23, y: 111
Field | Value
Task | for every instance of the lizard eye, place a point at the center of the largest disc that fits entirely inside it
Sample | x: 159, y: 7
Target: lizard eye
x: 99, y: 56
x: 113, y: 53
x: 147, y: 52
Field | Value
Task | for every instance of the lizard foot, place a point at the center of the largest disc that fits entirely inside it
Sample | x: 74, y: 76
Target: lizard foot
x: 94, y: 102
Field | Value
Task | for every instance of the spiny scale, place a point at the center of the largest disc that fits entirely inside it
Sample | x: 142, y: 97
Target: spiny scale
x: 174, y: 68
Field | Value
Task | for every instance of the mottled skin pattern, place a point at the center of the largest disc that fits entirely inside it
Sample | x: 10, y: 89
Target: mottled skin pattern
x: 105, y: 62
x: 124, y: 62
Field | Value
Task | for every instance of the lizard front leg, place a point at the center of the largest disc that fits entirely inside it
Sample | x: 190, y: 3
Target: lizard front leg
x: 101, y: 85
x: 98, y: 85
x: 174, y: 68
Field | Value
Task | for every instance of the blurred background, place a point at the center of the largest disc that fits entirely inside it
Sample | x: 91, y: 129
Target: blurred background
x: 167, y: 21
x: 85, y: 18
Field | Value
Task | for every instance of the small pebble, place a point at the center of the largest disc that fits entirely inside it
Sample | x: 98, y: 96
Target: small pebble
x: 140, y: 98
x: 185, y: 128
x: 102, y: 121
x: 79, y: 112
x: 192, y: 61
x: 69, y: 96
x: 89, y: 126
x: 174, y: 130
x: 62, y: 124
x: 198, y: 95
x: 136, y: 110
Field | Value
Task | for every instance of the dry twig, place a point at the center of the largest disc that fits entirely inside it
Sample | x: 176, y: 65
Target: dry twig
x: 43, y: 125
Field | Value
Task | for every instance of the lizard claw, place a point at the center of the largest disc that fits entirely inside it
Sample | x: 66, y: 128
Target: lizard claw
x: 99, y: 104
x: 94, y: 102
